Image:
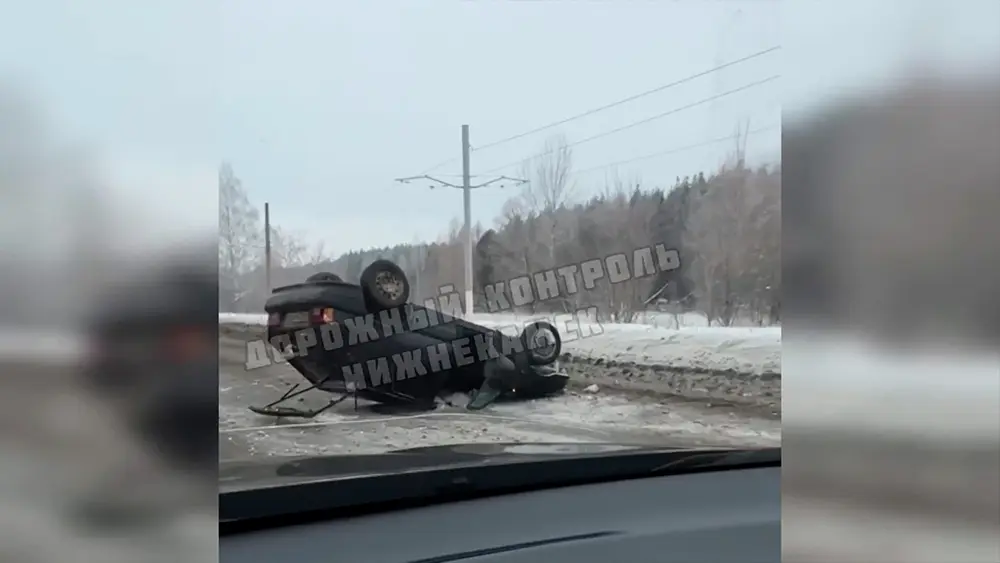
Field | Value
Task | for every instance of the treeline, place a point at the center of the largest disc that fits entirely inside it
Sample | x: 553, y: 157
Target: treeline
x: 726, y: 226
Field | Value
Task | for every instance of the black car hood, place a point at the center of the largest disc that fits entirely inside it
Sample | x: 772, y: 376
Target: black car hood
x: 234, y: 475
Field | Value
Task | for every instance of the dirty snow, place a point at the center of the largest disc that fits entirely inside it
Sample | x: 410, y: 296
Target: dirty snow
x: 568, y: 418
x: 661, y: 414
x: 745, y: 350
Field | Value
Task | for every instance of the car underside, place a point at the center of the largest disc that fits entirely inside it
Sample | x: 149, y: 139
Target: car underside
x: 351, y: 340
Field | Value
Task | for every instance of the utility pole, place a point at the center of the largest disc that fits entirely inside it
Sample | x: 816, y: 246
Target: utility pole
x: 467, y: 204
x: 466, y: 188
x: 267, y: 246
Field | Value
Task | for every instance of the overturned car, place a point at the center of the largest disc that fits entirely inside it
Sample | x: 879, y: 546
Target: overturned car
x: 367, y: 341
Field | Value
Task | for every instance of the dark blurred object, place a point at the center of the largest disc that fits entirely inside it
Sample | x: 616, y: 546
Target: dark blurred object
x: 891, y: 382
x: 892, y: 203
x: 154, y: 343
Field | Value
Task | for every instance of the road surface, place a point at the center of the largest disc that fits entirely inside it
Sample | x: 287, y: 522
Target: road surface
x: 572, y: 417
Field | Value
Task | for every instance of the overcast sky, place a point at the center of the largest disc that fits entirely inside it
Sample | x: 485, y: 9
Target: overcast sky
x: 320, y: 105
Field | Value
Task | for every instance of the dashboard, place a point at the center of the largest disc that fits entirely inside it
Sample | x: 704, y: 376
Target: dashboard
x: 712, y: 517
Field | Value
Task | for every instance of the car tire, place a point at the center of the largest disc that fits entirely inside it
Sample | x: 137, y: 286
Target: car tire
x: 541, y: 386
x: 373, y: 286
x: 324, y: 276
x: 514, y: 360
x: 539, y: 356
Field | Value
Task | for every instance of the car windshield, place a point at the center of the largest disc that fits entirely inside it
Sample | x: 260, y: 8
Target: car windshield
x: 526, y: 255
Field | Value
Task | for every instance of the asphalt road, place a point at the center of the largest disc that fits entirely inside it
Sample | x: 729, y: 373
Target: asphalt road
x: 344, y: 429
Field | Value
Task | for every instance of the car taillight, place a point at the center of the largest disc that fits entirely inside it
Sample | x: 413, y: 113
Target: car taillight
x: 274, y: 319
x: 322, y: 315
x: 189, y: 343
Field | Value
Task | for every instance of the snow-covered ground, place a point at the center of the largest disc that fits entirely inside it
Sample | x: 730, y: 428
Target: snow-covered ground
x: 843, y: 381
x: 653, y: 386
x: 259, y: 319
x: 744, y: 350
x: 696, y: 347
x: 737, y: 365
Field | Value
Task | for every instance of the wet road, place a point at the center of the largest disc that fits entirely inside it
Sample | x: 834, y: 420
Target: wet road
x: 572, y: 417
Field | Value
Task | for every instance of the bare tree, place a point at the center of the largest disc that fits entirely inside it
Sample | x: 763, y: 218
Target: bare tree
x: 318, y: 254
x: 547, y: 191
x: 764, y: 254
x: 549, y: 186
x: 708, y: 236
x: 513, y: 210
x: 508, y: 248
x: 287, y: 250
x: 239, y: 236
x: 622, y: 224
x: 724, y: 240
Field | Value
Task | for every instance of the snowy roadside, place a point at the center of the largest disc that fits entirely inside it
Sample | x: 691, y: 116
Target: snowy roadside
x: 719, y: 350
x: 736, y: 365
x: 661, y: 405
x: 724, y: 350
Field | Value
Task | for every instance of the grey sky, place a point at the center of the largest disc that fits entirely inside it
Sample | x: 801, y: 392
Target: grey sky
x: 319, y: 105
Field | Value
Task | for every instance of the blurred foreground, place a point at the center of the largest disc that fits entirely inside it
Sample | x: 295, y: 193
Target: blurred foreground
x: 891, y: 377
x: 108, y: 398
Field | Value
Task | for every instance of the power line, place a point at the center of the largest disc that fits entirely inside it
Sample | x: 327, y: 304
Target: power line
x: 628, y: 99
x: 466, y: 188
x: 642, y: 121
x: 611, y: 105
x: 670, y: 151
x: 439, y: 165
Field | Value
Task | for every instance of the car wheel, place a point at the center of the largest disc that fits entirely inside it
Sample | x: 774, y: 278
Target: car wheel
x: 324, y: 276
x: 384, y: 285
x: 541, y: 386
x: 514, y: 359
x: 542, y: 343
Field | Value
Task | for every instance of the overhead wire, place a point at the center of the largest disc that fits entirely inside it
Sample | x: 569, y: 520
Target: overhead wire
x: 604, y: 107
x: 671, y: 151
x: 640, y: 122
x: 626, y: 100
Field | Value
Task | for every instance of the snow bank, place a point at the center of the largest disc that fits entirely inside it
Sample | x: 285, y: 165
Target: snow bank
x: 700, y: 348
x: 684, y: 320
x: 704, y: 348
x: 243, y: 318
x: 934, y: 393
